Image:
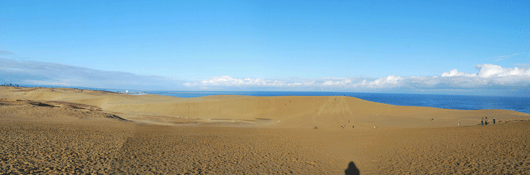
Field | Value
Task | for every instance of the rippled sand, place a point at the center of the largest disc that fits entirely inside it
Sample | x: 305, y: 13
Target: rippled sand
x: 73, y: 131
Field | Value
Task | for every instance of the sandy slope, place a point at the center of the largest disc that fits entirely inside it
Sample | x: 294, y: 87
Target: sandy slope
x: 283, y: 112
x: 76, y: 131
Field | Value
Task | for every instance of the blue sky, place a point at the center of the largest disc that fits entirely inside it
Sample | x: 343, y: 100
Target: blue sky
x: 271, y: 45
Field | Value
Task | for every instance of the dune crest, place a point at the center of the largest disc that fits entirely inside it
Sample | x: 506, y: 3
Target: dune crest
x: 323, y: 112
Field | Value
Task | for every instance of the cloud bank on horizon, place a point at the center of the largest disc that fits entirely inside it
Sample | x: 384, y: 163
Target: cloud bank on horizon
x: 488, y: 76
x: 36, y: 73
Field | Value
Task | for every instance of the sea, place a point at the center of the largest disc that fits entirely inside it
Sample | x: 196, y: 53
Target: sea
x: 461, y: 102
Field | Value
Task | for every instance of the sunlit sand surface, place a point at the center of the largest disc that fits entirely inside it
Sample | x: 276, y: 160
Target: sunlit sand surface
x: 45, y: 130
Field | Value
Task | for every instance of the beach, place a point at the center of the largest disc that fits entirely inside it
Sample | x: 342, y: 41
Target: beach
x: 61, y: 130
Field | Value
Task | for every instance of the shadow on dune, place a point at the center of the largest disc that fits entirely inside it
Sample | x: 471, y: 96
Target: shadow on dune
x: 352, y: 169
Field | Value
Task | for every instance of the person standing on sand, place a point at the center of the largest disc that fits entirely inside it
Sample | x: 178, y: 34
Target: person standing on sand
x: 458, y: 123
x: 486, y: 121
x: 482, y: 121
x: 493, y: 120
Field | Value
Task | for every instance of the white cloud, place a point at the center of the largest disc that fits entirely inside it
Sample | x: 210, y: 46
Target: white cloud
x: 335, y: 81
x: 455, y: 73
x: 249, y: 82
x: 230, y: 81
x: 488, y: 75
x: 386, y: 82
x: 189, y: 84
x: 331, y: 82
x: 489, y: 71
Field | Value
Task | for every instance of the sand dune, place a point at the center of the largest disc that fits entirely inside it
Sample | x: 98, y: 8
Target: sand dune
x: 56, y: 130
x: 284, y: 112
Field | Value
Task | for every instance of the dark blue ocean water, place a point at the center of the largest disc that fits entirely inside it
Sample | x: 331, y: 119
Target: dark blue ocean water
x: 521, y: 104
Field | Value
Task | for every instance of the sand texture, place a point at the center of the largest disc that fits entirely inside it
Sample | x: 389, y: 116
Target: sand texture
x: 44, y: 131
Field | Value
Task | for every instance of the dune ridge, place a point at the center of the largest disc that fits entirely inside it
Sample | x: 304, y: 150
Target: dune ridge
x: 284, y: 112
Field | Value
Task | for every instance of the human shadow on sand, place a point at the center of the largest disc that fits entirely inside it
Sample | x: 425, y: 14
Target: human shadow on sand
x: 352, y: 170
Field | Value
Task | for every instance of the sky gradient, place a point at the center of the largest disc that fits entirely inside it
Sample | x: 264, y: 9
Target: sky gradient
x: 472, y: 47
